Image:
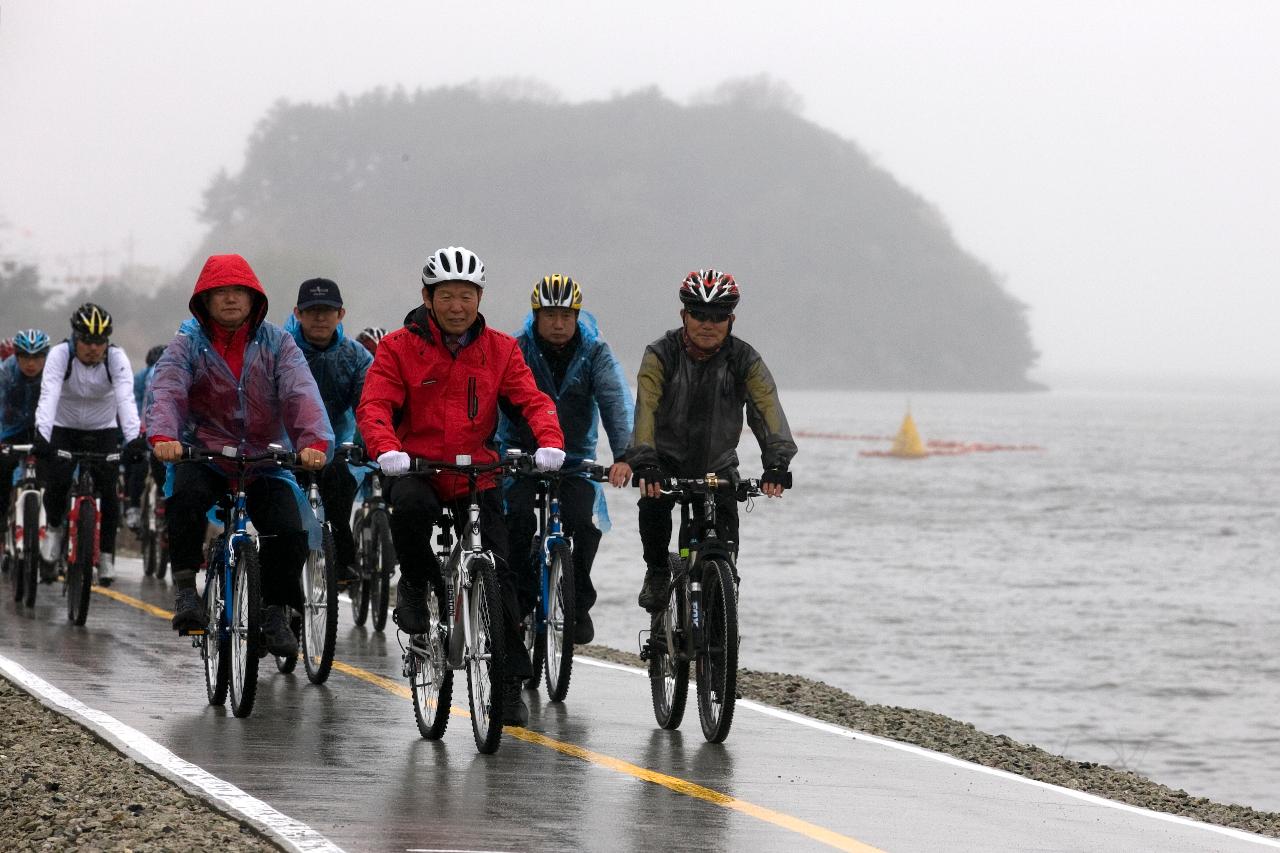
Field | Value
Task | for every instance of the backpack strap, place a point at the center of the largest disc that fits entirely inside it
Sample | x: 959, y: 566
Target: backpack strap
x: 106, y: 361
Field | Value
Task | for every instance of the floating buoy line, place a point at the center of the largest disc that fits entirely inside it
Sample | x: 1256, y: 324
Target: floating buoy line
x: 907, y: 444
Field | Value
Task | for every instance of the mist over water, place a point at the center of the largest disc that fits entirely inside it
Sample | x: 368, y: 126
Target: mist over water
x: 1110, y: 598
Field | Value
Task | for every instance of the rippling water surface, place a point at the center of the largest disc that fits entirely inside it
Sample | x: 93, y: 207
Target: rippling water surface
x: 1111, y: 598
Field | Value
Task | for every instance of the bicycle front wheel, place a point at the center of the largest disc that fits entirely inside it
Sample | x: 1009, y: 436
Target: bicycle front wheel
x: 29, y: 572
x: 668, y: 666
x: 485, y: 655
x: 215, y: 647
x: 561, y: 613
x: 147, y: 533
x: 430, y: 679
x: 358, y: 589
x: 383, y: 567
x: 717, y: 660
x: 246, y: 628
x: 320, y: 609
x: 80, y: 564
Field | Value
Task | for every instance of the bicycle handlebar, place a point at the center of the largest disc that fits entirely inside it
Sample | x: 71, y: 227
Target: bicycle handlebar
x: 419, y: 465
x: 686, y: 486
x: 522, y: 465
x: 9, y: 449
x: 88, y: 455
x: 230, y: 453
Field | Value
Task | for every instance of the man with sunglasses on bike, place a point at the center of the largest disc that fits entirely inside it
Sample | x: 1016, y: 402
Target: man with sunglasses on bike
x: 575, y: 368
x: 694, y: 383
x: 20, y: 376
x: 433, y: 392
x: 86, y: 402
x: 230, y: 378
x: 338, y: 364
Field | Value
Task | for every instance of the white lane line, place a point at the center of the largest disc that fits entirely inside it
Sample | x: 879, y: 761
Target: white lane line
x: 293, y: 834
x: 853, y: 734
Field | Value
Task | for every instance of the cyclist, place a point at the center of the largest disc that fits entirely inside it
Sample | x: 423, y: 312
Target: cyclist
x: 136, y: 473
x: 230, y: 378
x: 19, y: 391
x: 338, y: 365
x: 370, y: 337
x: 693, y: 385
x: 85, y: 403
x: 433, y: 391
x: 575, y: 368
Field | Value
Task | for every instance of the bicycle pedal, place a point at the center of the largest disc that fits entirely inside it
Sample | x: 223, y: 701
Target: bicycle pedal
x: 191, y: 632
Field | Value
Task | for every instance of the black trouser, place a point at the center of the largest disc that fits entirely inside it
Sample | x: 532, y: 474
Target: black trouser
x: 414, y: 510
x: 655, y: 525
x: 8, y: 464
x: 338, y: 491
x: 577, y: 500
x: 273, y: 508
x: 58, y: 479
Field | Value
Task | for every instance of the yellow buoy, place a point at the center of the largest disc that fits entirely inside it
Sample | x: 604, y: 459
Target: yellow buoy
x: 907, y: 443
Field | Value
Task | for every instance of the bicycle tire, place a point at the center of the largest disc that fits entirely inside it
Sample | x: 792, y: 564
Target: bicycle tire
x: 162, y: 549
x: 246, y: 628
x: 358, y: 590
x: 320, y: 609
x: 430, y: 679
x: 80, y: 564
x: 30, y: 568
x: 668, y: 671
x: 485, y: 655
x: 215, y: 646
x: 146, y: 534
x: 717, y: 661
x: 533, y: 646
x: 385, y: 563
x: 561, y: 615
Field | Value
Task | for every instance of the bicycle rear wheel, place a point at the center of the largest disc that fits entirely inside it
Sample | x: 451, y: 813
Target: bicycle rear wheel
x: 561, y: 613
x: 485, y: 655
x: 430, y: 679
x: 246, y: 628
x: 533, y: 644
x: 80, y: 563
x: 358, y: 589
x: 29, y: 571
x: 717, y: 660
x: 320, y: 609
x: 215, y: 647
x: 668, y: 669
x: 384, y: 565
x: 147, y: 533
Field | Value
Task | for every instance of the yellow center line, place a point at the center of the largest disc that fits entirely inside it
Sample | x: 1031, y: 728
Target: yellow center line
x: 673, y: 783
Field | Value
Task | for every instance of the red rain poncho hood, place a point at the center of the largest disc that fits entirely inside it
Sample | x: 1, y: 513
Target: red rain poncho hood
x: 225, y: 271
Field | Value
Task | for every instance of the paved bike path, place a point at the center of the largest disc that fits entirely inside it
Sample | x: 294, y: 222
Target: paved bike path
x: 594, y: 773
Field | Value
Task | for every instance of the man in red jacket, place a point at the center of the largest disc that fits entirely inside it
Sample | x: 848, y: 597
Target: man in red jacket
x: 432, y: 392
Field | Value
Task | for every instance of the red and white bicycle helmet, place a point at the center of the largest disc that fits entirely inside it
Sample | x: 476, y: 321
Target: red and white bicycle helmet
x: 710, y: 290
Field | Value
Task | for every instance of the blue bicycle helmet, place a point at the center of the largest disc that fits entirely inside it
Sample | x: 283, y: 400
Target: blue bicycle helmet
x: 31, y: 342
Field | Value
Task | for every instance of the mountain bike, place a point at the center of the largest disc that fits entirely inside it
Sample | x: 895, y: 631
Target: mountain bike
x: 84, y: 532
x: 465, y: 624
x: 375, y: 552
x: 154, y: 535
x: 24, y: 526
x: 700, y: 621
x: 316, y: 625
x: 548, y: 628
x: 232, y: 643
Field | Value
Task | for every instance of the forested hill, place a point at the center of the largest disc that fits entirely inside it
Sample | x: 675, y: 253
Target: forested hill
x: 849, y: 279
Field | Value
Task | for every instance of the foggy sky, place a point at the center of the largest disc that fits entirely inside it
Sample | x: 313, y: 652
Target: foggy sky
x: 1119, y: 167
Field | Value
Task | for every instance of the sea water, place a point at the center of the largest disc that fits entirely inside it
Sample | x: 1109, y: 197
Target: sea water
x: 1110, y: 596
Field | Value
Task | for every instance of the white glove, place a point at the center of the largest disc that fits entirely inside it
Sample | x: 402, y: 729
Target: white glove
x: 548, y: 458
x: 394, y: 462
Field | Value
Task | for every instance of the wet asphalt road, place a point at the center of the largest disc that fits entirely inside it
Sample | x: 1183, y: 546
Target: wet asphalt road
x: 594, y: 773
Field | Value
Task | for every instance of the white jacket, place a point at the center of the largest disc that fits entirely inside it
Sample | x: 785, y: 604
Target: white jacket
x: 88, y: 399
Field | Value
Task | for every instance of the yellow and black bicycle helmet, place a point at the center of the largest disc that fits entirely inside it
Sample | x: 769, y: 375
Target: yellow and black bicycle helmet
x: 556, y: 291
x: 91, y: 322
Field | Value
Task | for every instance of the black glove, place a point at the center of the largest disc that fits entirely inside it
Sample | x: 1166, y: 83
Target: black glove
x: 136, y: 450
x: 776, y: 477
x: 648, y: 473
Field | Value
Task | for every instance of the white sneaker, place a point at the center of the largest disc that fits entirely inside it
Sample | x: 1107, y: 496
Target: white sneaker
x: 106, y: 569
x: 133, y: 518
x: 51, y: 544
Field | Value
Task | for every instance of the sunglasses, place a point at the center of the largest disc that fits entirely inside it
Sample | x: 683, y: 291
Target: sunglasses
x: 707, y: 316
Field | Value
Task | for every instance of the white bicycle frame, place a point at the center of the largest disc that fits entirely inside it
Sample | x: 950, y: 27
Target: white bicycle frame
x: 15, y: 532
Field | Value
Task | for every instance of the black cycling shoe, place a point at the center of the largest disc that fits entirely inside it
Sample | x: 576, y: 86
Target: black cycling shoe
x: 514, y: 711
x: 584, y: 631
x: 188, y: 611
x: 653, y: 595
x: 279, y: 638
x: 411, y: 607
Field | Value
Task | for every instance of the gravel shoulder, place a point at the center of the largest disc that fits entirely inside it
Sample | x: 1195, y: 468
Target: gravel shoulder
x: 63, y: 786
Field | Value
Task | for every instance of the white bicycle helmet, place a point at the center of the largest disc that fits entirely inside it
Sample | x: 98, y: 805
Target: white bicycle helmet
x: 453, y: 263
